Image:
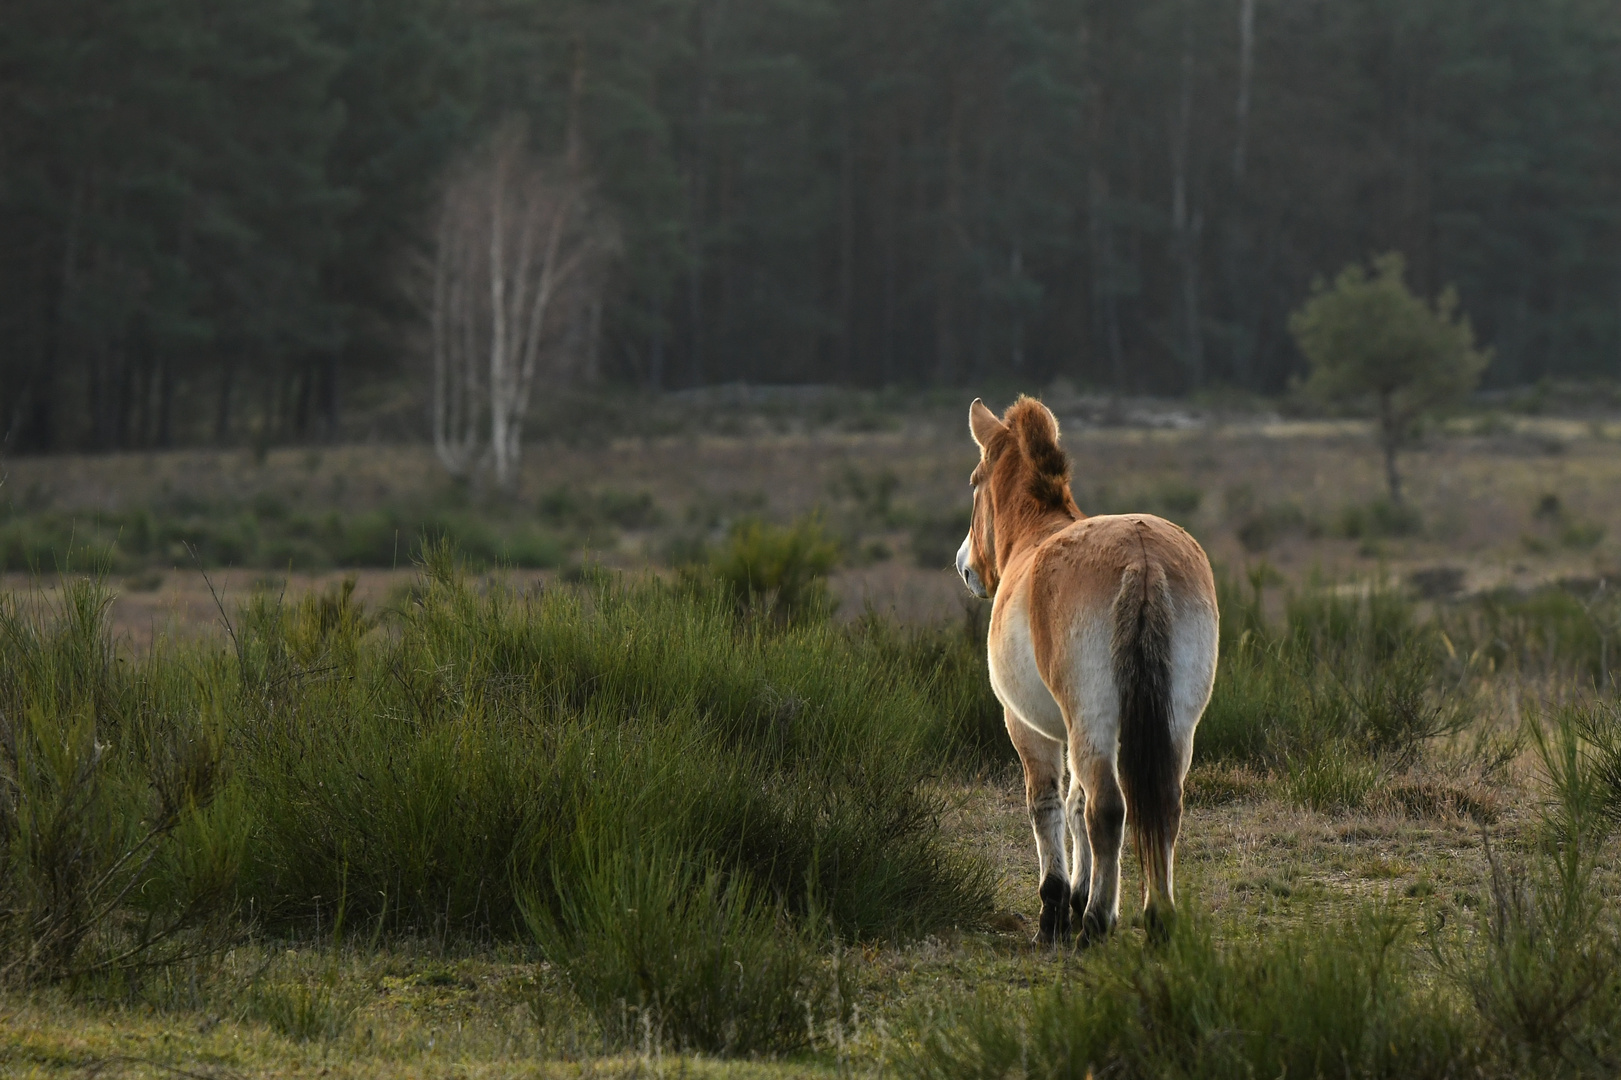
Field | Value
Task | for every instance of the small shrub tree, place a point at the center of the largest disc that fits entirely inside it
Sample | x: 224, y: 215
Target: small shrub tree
x: 1367, y: 336
x: 778, y: 572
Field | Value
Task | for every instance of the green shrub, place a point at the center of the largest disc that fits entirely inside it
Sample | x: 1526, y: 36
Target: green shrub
x: 947, y: 658
x: 869, y: 498
x: 1542, y: 966
x: 1317, y: 1002
x: 433, y: 771
x: 671, y: 944
x: 1351, y: 671
x: 1380, y: 519
x: 302, y: 1010
x: 1556, y: 522
x: 111, y: 854
x: 1259, y: 530
x: 48, y: 542
x: 442, y: 764
x: 777, y: 572
x: 1562, y: 632
x: 1175, y: 499
x: 935, y: 540
x: 1330, y: 780
x: 1598, y: 724
x: 565, y: 507
x: 267, y: 533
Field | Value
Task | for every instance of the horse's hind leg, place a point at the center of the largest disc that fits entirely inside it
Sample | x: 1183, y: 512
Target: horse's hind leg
x: 1193, y: 672
x: 1080, y: 867
x: 1043, y: 761
x: 1105, y: 819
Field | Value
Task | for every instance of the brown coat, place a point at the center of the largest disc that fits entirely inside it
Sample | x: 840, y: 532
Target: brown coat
x: 1103, y: 645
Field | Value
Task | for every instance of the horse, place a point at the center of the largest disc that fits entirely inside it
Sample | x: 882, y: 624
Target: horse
x: 1102, y: 644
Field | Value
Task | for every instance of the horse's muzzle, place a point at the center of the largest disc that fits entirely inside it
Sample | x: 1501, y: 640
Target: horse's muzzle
x: 969, y: 576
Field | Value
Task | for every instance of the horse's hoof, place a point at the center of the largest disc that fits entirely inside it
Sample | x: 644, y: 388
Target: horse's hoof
x: 1055, y: 927
x: 1055, y: 923
x: 1094, y: 929
x: 1157, y: 924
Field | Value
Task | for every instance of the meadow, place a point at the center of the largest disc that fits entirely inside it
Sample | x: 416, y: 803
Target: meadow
x: 721, y: 789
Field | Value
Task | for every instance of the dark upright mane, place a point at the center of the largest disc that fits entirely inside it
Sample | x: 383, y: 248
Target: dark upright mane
x: 1037, y: 433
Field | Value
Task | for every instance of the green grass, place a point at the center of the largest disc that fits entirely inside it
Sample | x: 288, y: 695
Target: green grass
x: 1529, y: 984
x: 483, y: 764
x: 1568, y: 632
x: 119, y: 837
x: 267, y: 533
x: 714, y: 821
x: 1343, y: 673
x: 1347, y: 1002
x: 664, y: 945
x: 433, y: 767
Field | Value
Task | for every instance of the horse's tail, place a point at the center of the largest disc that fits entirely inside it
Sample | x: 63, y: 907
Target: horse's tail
x: 1141, y: 652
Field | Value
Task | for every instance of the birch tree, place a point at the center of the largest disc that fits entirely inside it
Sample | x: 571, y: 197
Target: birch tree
x: 519, y: 253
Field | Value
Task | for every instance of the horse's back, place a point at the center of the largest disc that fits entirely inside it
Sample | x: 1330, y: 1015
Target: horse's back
x: 1082, y: 566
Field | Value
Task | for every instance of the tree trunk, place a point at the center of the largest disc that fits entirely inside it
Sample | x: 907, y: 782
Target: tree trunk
x: 573, y: 138
x: 697, y: 196
x: 847, y: 245
x: 655, y: 343
x: 1016, y: 274
x: 1099, y: 233
x: 164, y: 436
x: 1187, y: 224
x: 303, y: 396
x: 500, y: 361
x: 1246, y: 75
x: 1390, y: 432
x: 1237, y: 256
x: 891, y: 231
x: 329, y: 396
x: 593, y: 343
x: 946, y: 247
x: 222, y: 411
x: 140, y: 427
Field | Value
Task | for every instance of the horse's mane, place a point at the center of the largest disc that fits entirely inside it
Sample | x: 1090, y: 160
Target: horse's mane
x: 1037, y: 433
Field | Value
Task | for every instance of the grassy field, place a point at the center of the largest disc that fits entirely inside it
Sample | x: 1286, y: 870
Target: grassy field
x: 591, y: 818
x: 1496, y: 500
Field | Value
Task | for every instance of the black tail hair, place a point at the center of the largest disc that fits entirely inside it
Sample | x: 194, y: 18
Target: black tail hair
x: 1141, y: 652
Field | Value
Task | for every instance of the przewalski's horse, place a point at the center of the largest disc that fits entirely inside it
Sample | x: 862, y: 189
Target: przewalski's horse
x: 1102, y: 642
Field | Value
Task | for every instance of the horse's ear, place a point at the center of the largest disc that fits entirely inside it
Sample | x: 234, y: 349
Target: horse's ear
x: 983, y: 424
x: 1042, y: 416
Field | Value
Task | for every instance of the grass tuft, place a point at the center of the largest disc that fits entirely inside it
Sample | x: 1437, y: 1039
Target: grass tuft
x: 300, y: 1010
x: 111, y: 849
x: 1345, y: 1002
x: 672, y: 945
x: 1347, y: 683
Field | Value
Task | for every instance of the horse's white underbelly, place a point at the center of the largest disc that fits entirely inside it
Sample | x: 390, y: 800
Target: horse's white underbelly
x: 1014, y: 676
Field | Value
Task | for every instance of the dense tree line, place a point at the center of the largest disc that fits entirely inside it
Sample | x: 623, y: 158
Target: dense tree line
x: 212, y: 212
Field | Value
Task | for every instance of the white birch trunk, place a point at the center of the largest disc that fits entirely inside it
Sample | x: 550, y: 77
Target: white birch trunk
x: 1187, y: 223
x: 1246, y: 74
x: 517, y: 261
